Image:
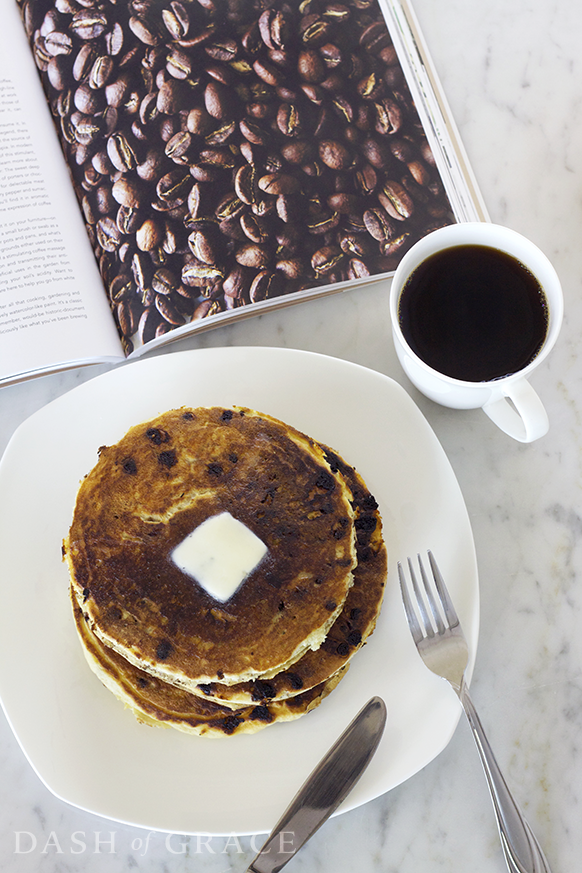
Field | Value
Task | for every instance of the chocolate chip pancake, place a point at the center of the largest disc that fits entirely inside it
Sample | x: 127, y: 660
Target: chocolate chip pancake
x: 352, y: 627
x: 155, y: 702
x: 160, y: 483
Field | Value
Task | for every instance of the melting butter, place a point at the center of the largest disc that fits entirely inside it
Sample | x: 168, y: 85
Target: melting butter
x: 219, y: 554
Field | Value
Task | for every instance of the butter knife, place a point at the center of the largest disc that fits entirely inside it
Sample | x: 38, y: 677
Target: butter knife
x: 323, y: 791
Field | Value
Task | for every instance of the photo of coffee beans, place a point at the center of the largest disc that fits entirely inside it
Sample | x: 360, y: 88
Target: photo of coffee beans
x: 228, y: 152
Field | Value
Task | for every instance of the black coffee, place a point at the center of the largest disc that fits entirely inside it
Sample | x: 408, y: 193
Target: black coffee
x: 473, y: 313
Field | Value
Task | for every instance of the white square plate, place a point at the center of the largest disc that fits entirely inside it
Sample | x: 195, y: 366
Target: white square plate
x: 80, y: 740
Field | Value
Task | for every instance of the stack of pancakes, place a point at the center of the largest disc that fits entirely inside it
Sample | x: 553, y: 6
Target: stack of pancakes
x: 273, y: 650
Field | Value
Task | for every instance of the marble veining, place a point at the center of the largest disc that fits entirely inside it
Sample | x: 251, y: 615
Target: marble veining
x: 512, y: 73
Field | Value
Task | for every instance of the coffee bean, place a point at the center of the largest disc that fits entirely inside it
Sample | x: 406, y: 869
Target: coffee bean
x: 334, y: 155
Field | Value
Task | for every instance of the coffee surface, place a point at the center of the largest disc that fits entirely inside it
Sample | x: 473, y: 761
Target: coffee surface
x: 473, y: 313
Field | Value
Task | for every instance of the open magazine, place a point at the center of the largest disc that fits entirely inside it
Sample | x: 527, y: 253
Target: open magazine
x: 221, y: 157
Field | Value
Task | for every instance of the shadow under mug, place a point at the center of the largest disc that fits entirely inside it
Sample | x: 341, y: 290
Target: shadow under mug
x: 510, y: 401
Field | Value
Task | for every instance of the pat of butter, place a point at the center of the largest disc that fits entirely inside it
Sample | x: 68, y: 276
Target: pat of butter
x: 219, y: 554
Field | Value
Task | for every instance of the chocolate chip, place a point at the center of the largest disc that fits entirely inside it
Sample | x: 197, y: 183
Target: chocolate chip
x: 261, y: 690
x: 129, y: 466
x: 365, y: 553
x: 369, y: 503
x: 230, y: 723
x: 188, y: 416
x: 355, y: 614
x: 215, y: 469
x: 86, y: 594
x: 163, y: 650
x: 325, y: 480
x: 206, y: 689
x: 295, y: 681
x: 341, y: 528
x: 227, y: 415
x: 331, y: 605
x: 366, y: 523
x: 343, y: 649
x: 233, y: 458
x: 157, y: 436
x: 354, y: 638
x: 333, y: 462
x: 142, y: 682
x: 168, y: 459
x: 261, y: 713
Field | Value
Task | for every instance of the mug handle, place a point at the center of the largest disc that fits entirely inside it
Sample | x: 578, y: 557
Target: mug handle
x: 520, y: 413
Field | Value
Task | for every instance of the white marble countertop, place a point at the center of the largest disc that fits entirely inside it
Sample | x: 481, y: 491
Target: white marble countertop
x: 512, y: 72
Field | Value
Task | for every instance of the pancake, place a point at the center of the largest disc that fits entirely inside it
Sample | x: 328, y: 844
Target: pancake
x: 353, y: 626
x: 155, y: 702
x: 161, y: 481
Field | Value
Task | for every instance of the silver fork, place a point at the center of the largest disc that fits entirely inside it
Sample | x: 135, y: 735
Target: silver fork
x: 442, y: 646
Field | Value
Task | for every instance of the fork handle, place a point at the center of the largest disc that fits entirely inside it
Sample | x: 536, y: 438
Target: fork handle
x: 520, y: 847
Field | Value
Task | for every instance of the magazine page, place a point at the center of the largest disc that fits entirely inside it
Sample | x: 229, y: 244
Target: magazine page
x: 431, y: 104
x: 232, y: 155
x: 52, y: 307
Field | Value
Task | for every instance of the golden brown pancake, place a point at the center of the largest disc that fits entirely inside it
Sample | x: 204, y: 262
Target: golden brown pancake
x: 155, y: 702
x: 160, y: 482
x: 352, y: 627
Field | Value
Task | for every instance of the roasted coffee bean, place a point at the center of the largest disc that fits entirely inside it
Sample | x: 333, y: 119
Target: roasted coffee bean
x: 238, y: 282
x: 108, y: 234
x: 254, y: 227
x: 419, y: 172
x: 279, y: 183
x: 176, y: 20
x: 121, y: 153
x: 168, y: 310
x: 148, y: 323
x: 334, y: 155
x: 148, y: 236
x: 395, y: 245
x: 101, y: 71
x: 290, y: 120
x: 127, y: 192
x: 396, y: 200
x: 265, y: 285
x: 326, y: 259
x: 127, y: 317
x: 198, y: 121
x: 378, y: 224
x: 88, y: 24
x: 245, y: 184
x: 145, y: 31
x: 388, y: 116
x: 57, y: 43
x: 204, y: 247
x: 292, y: 268
x: 178, y: 146
x: 357, y: 269
x: 252, y: 255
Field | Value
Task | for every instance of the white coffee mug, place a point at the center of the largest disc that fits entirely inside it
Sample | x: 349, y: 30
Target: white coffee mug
x: 509, y: 401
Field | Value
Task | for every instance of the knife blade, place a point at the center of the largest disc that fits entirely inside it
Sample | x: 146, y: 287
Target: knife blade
x: 326, y: 787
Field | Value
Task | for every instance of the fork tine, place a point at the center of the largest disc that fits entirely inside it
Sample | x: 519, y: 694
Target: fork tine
x: 413, y: 623
x: 440, y: 626
x: 447, y: 604
x: 428, y: 628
